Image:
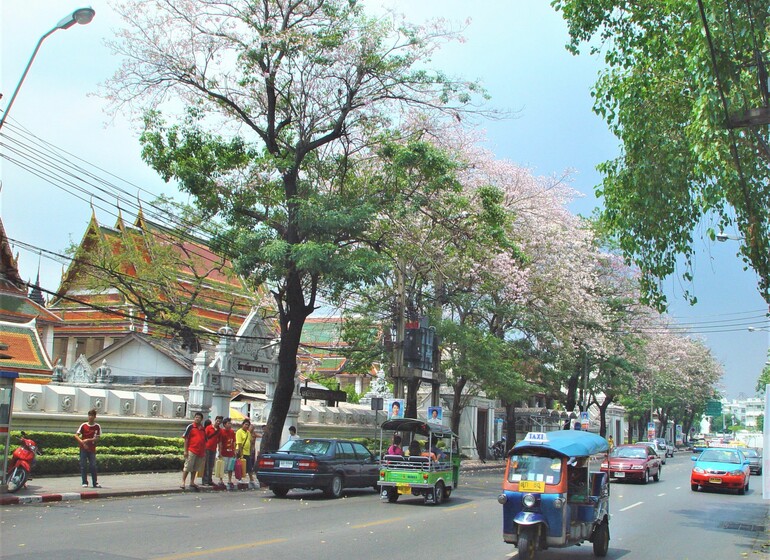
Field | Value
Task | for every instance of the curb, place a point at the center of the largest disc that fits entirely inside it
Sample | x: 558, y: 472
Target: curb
x: 7, y: 500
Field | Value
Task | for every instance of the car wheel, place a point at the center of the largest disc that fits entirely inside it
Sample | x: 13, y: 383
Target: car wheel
x: 376, y: 488
x: 747, y: 484
x: 280, y: 491
x: 447, y: 492
x: 335, y: 488
x: 646, y: 477
x: 694, y: 487
x: 392, y: 496
x: 602, y: 540
x: 759, y: 471
x: 656, y: 476
x: 438, y: 493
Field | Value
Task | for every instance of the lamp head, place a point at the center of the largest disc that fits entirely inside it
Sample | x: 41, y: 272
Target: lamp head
x: 81, y: 16
x: 721, y: 236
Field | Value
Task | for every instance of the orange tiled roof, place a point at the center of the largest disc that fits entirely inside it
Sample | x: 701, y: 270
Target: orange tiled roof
x: 24, y: 348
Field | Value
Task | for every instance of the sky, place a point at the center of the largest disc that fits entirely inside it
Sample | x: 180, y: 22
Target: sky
x: 514, y: 47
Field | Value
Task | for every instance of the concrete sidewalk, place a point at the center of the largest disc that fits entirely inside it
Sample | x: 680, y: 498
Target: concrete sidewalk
x: 67, y: 488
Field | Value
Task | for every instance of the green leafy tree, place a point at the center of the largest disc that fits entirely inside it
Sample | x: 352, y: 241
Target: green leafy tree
x: 281, y: 95
x: 671, y: 92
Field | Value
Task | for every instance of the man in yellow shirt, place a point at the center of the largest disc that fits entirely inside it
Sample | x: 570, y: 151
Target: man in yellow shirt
x: 243, y: 450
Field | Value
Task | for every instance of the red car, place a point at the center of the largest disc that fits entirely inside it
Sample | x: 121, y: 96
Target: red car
x: 633, y: 462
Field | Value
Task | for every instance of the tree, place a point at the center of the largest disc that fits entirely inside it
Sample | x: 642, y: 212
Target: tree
x: 280, y: 95
x: 671, y: 91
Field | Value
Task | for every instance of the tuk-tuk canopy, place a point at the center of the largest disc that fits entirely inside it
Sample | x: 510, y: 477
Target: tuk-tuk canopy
x: 570, y: 443
x: 417, y: 426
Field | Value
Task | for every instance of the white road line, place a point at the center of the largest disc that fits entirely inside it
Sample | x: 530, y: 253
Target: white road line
x: 248, y: 509
x: 631, y: 506
x: 661, y: 494
x: 99, y: 523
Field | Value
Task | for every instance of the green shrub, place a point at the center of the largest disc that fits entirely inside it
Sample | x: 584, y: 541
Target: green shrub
x: 62, y: 464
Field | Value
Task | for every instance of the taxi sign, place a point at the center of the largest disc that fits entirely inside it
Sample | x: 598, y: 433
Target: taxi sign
x: 536, y: 437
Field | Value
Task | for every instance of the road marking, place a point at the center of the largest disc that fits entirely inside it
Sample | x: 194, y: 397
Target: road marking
x: 211, y: 551
x: 458, y: 508
x: 373, y: 523
x: 677, y: 488
x: 98, y: 523
x: 661, y: 494
x: 631, y: 506
x: 248, y: 509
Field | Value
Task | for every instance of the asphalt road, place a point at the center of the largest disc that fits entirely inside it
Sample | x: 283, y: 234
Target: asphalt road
x: 658, y: 521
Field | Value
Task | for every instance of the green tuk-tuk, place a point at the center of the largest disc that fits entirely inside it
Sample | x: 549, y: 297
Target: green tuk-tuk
x: 432, y: 474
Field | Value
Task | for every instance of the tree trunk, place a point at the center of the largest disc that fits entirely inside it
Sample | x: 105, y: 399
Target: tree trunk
x: 457, y: 407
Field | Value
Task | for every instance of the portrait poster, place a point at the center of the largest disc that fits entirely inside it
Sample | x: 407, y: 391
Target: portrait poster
x: 396, y: 409
x: 435, y: 414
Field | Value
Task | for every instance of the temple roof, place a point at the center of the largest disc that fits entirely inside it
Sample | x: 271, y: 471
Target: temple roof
x: 222, y: 299
x: 25, y: 349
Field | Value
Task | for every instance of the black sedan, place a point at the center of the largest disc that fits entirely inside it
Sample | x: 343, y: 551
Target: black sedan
x: 755, y: 460
x: 326, y: 464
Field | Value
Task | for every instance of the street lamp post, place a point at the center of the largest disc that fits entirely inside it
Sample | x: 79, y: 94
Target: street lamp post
x: 81, y: 16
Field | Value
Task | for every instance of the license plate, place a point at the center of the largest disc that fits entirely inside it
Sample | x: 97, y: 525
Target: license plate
x: 285, y: 464
x: 618, y: 475
x: 404, y: 488
x: 715, y: 481
x: 531, y: 486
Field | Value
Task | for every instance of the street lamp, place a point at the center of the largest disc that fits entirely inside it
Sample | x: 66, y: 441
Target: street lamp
x: 722, y: 236
x: 81, y: 16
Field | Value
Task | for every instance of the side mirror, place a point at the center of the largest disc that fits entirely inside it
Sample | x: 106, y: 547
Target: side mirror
x: 693, y: 458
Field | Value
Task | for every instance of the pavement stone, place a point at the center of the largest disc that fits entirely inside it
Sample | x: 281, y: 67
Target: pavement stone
x: 68, y: 488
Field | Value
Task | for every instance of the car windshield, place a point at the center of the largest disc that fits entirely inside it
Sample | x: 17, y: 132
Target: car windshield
x: 720, y: 456
x: 311, y: 446
x: 751, y: 453
x: 629, y: 453
x: 532, y: 467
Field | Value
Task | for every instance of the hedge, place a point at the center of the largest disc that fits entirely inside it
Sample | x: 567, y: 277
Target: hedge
x: 60, y: 453
x: 62, y: 464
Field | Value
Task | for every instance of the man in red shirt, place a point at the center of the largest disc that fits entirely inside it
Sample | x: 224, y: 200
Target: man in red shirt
x: 227, y: 451
x: 212, y: 444
x: 194, y: 450
x: 87, y: 435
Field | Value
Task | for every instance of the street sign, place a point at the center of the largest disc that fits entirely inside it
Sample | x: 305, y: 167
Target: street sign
x: 584, y: 421
x: 713, y: 408
x: 650, y: 431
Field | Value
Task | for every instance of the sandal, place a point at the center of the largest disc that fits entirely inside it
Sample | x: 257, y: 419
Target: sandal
x: 194, y: 487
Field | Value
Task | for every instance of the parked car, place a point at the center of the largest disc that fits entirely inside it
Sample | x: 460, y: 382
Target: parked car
x: 326, y: 464
x: 755, y: 460
x: 633, y: 462
x: 721, y: 467
x: 663, y: 444
x: 660, y: 451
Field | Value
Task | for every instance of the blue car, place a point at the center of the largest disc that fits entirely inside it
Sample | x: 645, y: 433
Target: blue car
x: 721, y: 467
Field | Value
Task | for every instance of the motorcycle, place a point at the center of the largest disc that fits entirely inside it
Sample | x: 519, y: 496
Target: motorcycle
x: 497, y: 449
x: 21, y: 463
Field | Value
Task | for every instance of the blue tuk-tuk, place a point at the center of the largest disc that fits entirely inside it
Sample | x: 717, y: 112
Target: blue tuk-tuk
x: 554, y: 493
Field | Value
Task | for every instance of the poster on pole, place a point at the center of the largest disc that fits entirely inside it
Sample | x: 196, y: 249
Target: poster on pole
x: 396, y: 409
x: 435, y: 414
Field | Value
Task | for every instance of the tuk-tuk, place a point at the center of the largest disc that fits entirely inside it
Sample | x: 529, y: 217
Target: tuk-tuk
x: 432, y: 474
x: 554, y: 494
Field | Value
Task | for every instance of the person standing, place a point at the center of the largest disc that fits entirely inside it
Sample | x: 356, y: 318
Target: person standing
x: 227, y: 451
x: 212, y: 444
x: 194, y: 450
x: 243, y: 446
x: 293, y: 433
x: 87, y: 435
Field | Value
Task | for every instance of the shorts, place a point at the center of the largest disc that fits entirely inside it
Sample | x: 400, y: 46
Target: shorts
x: 229, y: 464
x: 250, y: 464
x: 194, y: 463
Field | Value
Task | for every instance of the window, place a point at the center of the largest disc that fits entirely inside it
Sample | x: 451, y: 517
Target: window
x: 532, y: 467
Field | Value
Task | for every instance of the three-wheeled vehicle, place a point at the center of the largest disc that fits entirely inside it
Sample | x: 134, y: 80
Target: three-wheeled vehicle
x: 554, y: 494
x: 432, y: 476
